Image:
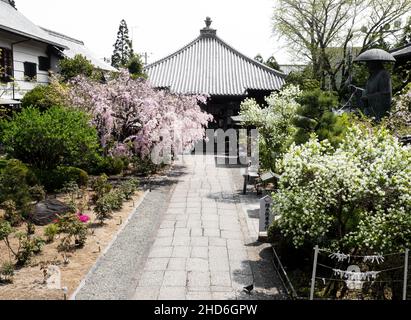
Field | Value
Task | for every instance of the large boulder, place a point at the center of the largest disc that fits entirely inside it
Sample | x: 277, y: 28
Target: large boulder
x: 45, y: 212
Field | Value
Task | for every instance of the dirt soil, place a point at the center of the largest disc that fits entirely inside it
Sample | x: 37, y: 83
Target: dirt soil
x: 28, y: 281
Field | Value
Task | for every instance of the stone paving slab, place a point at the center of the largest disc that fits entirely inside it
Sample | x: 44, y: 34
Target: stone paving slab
x: 201, y: 250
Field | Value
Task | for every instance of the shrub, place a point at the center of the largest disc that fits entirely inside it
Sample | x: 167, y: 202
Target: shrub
x: 37, y: 193
x: 79, y: 176
x: 101, y: 186
x: 103, y: 209
x: 108, y: 203
x: 51, y: 231
x: 5, y: 231
x: 399, y: 120
x: 44, y: 97
x: 11, y: 214
x: 352, y: 198
x: 56, y: 137
x: 7, y: 272
x: 30, y: 228
x: 3, y: 164
x: 15, y: 181
x: 111, y: 165
x: 135, y: 66
x: 116, y: 199
x: 274, y: 122
x: 74, y: 229
x: 128, y: 188
x: 73, y: 67
x: 56, y: 179
x: 304, y: 79
x: 28, y: 247
x: 144, y: 166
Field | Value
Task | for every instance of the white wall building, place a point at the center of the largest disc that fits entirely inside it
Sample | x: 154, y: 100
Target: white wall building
x: 28, y: 53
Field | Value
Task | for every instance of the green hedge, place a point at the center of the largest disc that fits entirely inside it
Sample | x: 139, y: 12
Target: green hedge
x: 45, y: 140
x: 54, y: 180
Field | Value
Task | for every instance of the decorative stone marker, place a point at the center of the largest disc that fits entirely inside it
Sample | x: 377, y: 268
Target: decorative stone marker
x: 53, y: 280
x: 266, y: 217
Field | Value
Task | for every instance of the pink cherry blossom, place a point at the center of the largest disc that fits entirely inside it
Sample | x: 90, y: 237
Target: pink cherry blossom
x: 132, y: 117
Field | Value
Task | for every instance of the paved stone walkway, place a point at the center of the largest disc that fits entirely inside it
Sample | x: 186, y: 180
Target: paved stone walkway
x: 203, y: 248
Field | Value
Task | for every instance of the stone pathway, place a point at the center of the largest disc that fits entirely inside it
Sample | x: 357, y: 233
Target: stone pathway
x: 204, y: 248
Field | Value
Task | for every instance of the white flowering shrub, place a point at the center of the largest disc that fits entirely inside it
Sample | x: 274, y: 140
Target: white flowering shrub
x: 354, y: 197
x: 275, y: 122
x: 399, y: 120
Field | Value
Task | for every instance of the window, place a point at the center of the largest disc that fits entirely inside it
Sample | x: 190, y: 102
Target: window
x: 30, y: 70
x: 44, y: 63
x: 6, y: 65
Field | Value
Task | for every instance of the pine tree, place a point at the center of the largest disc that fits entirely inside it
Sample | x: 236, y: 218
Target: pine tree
x: 135, y: 66
x: 13, y: 3
x: 316, y: 116
x: 123, y: 48
x: 272, y: 63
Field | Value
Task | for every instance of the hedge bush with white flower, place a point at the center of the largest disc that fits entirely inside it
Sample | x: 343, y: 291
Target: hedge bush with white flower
x: 399, y: 120
x: 356, y: 197
x: 274, y: 122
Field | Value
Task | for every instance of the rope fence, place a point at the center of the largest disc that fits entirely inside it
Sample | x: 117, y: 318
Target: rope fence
x: 353, y: 277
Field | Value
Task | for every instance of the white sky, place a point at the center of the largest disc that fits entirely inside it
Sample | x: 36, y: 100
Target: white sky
x: 160, y: 27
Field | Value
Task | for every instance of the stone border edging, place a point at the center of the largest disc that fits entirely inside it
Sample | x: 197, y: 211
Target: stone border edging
x: 108, y: 247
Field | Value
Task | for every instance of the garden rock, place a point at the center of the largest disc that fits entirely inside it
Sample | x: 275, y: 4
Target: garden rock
x: 45, y: 212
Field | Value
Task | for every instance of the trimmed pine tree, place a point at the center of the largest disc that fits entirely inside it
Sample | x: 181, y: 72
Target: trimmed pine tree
x: 123, y: 48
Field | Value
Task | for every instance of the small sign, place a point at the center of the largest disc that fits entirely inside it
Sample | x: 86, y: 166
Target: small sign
x: 266, y: 217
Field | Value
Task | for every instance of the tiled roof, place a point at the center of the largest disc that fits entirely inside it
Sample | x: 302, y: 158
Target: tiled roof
x: 404, y: 51
x: 13, y: 21
x: 208, y: 65
x: 77, y: 47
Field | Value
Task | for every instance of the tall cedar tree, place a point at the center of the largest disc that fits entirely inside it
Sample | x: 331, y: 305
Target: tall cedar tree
x: 123, y: 48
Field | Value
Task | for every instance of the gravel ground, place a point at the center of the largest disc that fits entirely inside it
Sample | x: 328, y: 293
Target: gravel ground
x: 116, y: 274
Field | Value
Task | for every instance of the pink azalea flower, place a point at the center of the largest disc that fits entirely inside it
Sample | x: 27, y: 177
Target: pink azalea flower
x: 83, y: 218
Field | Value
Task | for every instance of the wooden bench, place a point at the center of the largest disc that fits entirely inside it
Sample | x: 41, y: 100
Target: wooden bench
x: 264, y: 179
x: 250, y: 177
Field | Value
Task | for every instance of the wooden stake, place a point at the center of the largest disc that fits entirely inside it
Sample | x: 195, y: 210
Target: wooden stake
x: 404, y: 292
x: 317, y: 249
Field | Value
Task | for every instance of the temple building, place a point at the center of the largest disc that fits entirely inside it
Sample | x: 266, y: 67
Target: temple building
x: 210, y: 66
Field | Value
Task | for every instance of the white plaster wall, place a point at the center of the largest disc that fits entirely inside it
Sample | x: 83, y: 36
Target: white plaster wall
x: 29, y: 51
